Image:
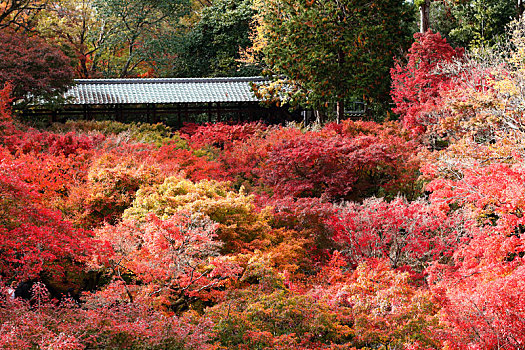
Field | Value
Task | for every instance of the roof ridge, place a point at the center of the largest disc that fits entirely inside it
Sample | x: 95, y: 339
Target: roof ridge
x: 170, y: 80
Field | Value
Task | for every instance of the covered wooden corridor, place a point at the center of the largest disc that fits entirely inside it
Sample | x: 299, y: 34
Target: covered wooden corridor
x: 169, y: 100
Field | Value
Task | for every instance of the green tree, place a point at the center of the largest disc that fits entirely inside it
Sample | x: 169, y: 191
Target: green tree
x: 481, y: 22
x: 141, y: 32
x: 473, y: 23
x: 333, y: 50
x: 212, y: 47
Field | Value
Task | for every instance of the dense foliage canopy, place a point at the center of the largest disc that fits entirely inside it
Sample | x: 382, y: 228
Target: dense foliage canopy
x: 35, y: 69
x: 333, y: 50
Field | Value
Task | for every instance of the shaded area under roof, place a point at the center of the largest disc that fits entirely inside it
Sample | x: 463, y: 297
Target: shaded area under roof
x: 162, y: 91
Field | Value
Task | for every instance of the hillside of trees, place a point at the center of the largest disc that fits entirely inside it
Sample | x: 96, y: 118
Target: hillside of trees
x: 399, y: 233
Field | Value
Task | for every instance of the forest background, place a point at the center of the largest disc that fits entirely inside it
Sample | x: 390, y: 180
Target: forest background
x: 400, y: 232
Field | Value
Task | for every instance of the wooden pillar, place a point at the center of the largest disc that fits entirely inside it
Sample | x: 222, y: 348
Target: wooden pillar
x: 155, y: 116
x: 120, y: 114
x: 218, y: 111
x: 240, y: 108
x: 250, y: 113
x: 424, y: 16
x: 179, y: 116
x: 209, y: 112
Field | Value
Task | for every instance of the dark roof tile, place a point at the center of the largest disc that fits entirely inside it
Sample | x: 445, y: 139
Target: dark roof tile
x: 164, y: 90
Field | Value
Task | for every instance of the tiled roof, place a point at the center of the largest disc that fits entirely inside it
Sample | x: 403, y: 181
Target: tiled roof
x: 166, y: 90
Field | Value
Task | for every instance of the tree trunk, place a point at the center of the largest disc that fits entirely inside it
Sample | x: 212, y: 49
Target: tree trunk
x: 340, y: 110
x: 424, y: 12
x: 340, y: 105
x: 318, y: 117
x: 520, y: 8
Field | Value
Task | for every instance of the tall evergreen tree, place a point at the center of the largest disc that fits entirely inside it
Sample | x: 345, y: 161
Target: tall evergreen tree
x: 473, y: 23
x: 481, y: 22
x: 212, y: 47
x: 333, y: 50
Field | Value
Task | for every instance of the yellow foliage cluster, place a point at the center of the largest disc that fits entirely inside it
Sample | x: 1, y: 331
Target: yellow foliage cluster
x: 241, y: 226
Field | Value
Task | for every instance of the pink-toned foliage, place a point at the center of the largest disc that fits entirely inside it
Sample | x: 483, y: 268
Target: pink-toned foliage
x: 67, y: 326
x: 409, y: 235
x: 168, y: 260
x: 481, y: 292
x: 483, y: 307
